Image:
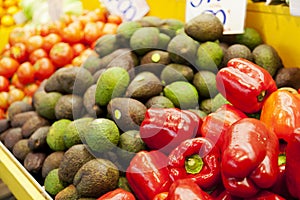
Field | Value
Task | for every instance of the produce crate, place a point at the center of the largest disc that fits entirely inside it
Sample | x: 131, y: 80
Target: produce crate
x: 18, y: 179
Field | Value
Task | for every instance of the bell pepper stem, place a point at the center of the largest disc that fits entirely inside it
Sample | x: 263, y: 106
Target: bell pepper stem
x: 193, y: 164
x: 261, y: 96
x: 281, y: 159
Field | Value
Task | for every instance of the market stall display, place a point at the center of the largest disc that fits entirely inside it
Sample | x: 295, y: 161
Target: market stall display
x: 137, y: 116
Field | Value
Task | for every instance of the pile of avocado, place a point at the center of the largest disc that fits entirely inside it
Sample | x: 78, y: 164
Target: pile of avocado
x: 82, y: 129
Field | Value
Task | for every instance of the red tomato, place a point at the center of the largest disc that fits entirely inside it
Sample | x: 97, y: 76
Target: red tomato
x: 4, y: 84
x: 4, y: 100
x: 8, y: 66
x: 34, y: 42
x: 92, y: 31
x: 72, y: 35
x: 61, y: 54
x: 15, y: 94
x: 43, y: 69
x: 26, y: 72
x: 78, y: 48
x: 17, y: 35
x: 51, y: 40
x: 76, y: 24
x: 77, y: 61
x: 114, y: 19
x: 109, y: 28
x: 16, y: 82
x: 30, y: 89
x: 56, y: 27
x: 37, y: 54
x: 18, y: 52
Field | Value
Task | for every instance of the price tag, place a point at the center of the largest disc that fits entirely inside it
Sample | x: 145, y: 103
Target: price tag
x: 129, y: 10
x: 232, y: 13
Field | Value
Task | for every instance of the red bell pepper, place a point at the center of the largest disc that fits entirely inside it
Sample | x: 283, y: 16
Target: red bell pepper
x: 216, y: 123
x: 165, y: 128
x: 293, y: 164
x: 266, y: 195
x: 117, y: 194
x: 249, y: 158
x: 148, y: 175
x: 280, y: 187
x: 225, y: 195
x: 197, y: 159
x: 245, y: 84
x: 281, y: 113
x: 186, y: 189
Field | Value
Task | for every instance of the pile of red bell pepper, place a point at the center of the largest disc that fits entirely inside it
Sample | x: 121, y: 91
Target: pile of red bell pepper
x: 226, y: 155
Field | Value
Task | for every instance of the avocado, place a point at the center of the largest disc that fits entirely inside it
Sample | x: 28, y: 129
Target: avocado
x: 170, y: 26
x: 127, y: 61
x: 112, y: 83
x: 32, y: 124
x: 237, y: 51
x: 159, y: 102
x: 19, y: 119
x: 182, y: 49
x: 75, y: 130
x: 183, y: 94
x: 127, y: 113
x: 144, y: 86
x: 288, y: 77
x: 70, y: 80
x: 267, y: 57
x: 218, y: 101
x: 163, y: 42
x: 52, y: 161
x: 96, y: 177
x: 4, y: 125
x: 12, y: 136
x: 21, y: 149
x: 106, y: 44
x: 176, y: 72
x: 37, y: 141
x: 55, y: 135
x: 69, y: 106
x: 130, y: 143
x: 199, y: 112
x: 53, y: 184
x: 101, y: 135
x: 205, y: 82
x: 150, y: 21
x: 18, y: 107
x: 123, y: 183
x: 144, y: 40
x: 92, y: 63
x: 156, y: 56
x: 209, y: 56
x: 44, y: 103
x: 251, y: 38
x: 204, y: 27
x: 33, y: 162
x: 90, y: 106
x: 71, y: 162
x: 106, y: 60
x: 206, y: 105
x: 68, y: 193
x: 125, y: 30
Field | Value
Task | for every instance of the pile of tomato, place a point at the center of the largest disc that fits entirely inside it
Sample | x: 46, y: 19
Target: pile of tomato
x: 34, y: 53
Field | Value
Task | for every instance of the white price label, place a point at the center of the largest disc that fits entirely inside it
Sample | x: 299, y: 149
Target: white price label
x: 129, y: 10
x: 232, y: 13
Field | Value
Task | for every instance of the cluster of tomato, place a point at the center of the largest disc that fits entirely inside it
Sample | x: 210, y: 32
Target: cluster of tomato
x: 33, y: 54
x: 7, y: 10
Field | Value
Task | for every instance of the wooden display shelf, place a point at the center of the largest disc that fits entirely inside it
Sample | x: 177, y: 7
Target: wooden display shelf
x: 19, y: 181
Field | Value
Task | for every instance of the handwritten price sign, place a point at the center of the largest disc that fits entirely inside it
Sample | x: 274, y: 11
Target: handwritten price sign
x: 129, y: 10
x: 230, y: 12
